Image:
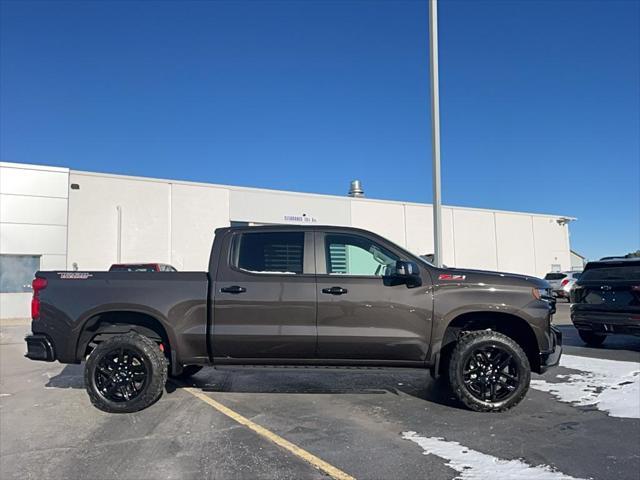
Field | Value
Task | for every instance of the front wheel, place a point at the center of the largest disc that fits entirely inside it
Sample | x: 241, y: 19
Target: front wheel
x: 591, y: 339
x: 489, y: 372
x: 125, y: 373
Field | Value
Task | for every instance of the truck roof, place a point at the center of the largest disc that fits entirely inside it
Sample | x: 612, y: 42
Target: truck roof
x: 619, y: 261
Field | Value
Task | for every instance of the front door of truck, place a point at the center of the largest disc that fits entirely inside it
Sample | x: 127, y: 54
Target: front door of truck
x: 265, y: 296
x: 362, y: 314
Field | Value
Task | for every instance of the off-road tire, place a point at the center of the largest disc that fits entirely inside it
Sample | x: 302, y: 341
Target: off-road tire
x: 463, y: 351
x: 592, y: 339
x: 154, y: 362
x: 187, y: 371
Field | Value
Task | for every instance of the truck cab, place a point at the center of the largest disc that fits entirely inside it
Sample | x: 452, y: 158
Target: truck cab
x: 319, y: 294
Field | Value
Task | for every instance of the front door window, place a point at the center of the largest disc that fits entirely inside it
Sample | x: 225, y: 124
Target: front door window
x: 353, y: 255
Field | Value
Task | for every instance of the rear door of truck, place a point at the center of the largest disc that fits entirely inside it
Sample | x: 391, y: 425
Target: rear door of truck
x: 265, y: 295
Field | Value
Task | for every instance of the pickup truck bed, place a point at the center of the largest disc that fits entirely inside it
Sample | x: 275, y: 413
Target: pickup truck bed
x: 91, y: 301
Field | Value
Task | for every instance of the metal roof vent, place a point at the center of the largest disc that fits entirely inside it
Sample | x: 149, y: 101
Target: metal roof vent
x: 355, y: 190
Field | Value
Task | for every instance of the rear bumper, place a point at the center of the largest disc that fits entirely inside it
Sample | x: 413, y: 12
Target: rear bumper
x: 551, y: 357
x: 39, y: 347
x: 625, y: 323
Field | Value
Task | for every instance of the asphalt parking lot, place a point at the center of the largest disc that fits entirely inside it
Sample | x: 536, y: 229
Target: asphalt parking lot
x: 577, y: 422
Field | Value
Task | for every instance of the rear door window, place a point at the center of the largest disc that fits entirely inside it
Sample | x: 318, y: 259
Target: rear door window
x: 269, y: 252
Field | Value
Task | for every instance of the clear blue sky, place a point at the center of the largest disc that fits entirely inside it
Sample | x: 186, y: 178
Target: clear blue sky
x: 540, y: 99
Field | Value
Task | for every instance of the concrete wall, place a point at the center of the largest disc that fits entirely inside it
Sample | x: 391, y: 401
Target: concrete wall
x: 166, y: 221
x: 105, y: 219
x: 33, y: 221
x: 551, y: 242
x: 577, y: 262
x: 125, y: 220
x: 273, y: 207
x: 384, y: 218
x: 113, y: 220
x: 196, y: 211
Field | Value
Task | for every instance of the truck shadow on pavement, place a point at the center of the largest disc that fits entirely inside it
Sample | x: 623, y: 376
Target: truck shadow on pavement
x: 71, y: 376
x: 299, y: 380
x: 318, y: 381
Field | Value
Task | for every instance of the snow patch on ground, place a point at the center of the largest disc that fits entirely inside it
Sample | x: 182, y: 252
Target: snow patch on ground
x: 610, y: 385
x: 474, y: 465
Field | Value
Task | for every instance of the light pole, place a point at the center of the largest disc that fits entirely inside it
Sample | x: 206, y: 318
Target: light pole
x: 435, y: 132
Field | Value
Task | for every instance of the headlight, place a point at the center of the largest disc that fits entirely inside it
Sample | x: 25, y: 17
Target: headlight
x: 542, y: 294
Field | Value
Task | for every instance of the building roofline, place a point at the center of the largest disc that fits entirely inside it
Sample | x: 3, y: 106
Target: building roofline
x: 29, y: 166
x: 275, y: 192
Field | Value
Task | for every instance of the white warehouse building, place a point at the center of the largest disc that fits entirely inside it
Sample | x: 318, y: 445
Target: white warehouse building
x: 55, y: 218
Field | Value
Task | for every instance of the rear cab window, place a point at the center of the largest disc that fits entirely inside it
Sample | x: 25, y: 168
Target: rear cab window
x: 269, y: 252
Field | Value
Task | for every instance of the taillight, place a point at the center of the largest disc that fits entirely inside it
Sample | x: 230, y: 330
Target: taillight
x: 564, y: 282
x: 38, y: 284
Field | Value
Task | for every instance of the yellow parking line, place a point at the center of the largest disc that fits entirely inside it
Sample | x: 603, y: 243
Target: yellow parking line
x: 318, y: 463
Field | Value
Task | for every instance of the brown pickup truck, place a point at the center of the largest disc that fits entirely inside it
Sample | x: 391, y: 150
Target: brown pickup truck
x: 297, y: 295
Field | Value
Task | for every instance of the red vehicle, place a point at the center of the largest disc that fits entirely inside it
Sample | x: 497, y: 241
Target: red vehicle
x: 142, y: 267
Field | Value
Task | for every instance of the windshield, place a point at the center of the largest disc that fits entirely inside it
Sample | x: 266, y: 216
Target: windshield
x: 554, y: 276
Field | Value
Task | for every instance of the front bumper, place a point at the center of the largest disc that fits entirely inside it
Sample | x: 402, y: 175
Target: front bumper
x: 551, y: 357
x: 39, y: 347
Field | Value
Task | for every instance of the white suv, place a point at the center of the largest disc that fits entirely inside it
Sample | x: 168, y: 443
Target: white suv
x: 562, y: 282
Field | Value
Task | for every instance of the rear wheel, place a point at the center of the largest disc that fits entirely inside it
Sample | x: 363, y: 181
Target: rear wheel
x: 592, y: 339
x: 489, y: 372
x: 125, y: 373
x: 187, y: 371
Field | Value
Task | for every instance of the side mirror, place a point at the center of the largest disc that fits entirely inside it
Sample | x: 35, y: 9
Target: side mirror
x: 409, y: 272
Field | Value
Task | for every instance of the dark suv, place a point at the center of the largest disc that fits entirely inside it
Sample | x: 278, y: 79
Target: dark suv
x: 606, y: 300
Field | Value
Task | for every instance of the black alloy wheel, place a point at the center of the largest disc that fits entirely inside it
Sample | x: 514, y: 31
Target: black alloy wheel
x: 489, y: 371
x: 121, y: 375
x: 125, y: 373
